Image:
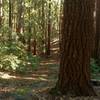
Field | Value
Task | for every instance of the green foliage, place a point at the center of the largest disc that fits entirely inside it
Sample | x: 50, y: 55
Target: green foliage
x: 33, y: 61
x: 95, y: 68
x: 22, y: 91
x: 13, y: 57
x: 29, y: 22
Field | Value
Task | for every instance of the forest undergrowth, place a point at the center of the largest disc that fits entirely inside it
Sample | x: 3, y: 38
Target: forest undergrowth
x: 35, y: 85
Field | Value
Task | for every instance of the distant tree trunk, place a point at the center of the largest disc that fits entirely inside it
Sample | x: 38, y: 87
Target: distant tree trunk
x: 34, y: 47
x: 20, y: 20
x: 1, y: 12
x: 29, y: 32
x: 60, y: 21
x: 97, y: 43
x: 43, y: 28
x: 76, y: 48
x: 10, y: 19
x: 10, y: 13
x: 29, y: 43
x: 49, y: 30
x: 20, y: 12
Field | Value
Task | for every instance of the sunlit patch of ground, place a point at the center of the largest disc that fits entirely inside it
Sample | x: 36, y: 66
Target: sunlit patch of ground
x: 6, y: 75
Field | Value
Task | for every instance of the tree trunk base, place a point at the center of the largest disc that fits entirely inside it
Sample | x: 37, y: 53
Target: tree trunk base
x: 74, y: 91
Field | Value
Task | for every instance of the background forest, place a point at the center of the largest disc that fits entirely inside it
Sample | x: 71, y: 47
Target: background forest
x: 30, y: 41
x: 26, y: 29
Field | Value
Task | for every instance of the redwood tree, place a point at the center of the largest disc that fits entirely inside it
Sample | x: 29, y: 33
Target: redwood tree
x: 76, y: 48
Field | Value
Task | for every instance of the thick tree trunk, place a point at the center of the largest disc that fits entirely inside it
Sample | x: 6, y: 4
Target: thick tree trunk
x: 77, y: 45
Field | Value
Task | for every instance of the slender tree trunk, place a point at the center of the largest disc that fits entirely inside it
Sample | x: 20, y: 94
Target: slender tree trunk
x: 60, y: 21
x: 19, y: 26
x: 34, y: 40
x: 43, y: 27
x: 20, y: 19
x: 97, y: 43
x: 29, y: 32
x: 49, y: 30
x: 10, y: 13
x: 34, y: 43
x: 1, y: 12
x: 10, y: 20
x: 34, y: 47
x: 76, y: 48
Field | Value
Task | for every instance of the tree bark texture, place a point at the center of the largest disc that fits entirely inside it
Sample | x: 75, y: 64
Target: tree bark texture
x: 76, y: 48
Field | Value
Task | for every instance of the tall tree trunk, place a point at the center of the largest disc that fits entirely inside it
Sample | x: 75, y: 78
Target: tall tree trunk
x: 49, y: 30
x: 34, y: 40
x: 29, y: 31
x: 77, y: 45
x: 20, y: 20
x: 10, y: 19
x: 60, y: 21
x: 34, y: 47
x: 97, y: 43
x: 1, y: 12
x: 10, y: 13
x: 19, y: 26
x: 43, y: 26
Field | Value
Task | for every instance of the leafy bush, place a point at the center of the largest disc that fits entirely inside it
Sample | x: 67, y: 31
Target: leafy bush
x: 95, y: 68
x: 33, y: 60
x: 13, y: 57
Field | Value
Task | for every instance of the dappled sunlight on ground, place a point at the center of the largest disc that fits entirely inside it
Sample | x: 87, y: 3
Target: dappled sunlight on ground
x: 34, y: 83
x: 55, y: 46
x: 6, y: 89
x: 6, y: 75
x: 55, y: 41
x: 46, y: 63
x: 33, y: 77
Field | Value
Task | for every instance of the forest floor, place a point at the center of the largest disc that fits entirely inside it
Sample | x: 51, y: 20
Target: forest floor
x: 34, y: 85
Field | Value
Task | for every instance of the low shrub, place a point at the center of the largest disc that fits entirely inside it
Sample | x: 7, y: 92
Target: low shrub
x: 14, y: 57
x: 95, y: 68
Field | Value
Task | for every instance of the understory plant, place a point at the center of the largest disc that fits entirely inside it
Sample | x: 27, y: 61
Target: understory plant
x: 14, y: 57
x: 95, y: 68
